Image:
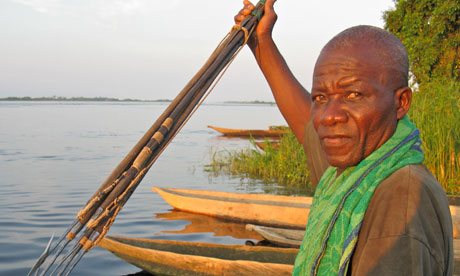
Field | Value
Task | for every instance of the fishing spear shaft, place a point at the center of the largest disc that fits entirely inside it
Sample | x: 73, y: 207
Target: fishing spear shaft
x: 124, y: 179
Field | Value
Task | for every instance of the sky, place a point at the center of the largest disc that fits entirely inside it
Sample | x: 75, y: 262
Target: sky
x: 150, y: 49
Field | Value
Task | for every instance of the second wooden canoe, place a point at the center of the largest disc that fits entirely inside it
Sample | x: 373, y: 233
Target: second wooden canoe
x: 279, y: 236
x: 256, y: 133
x: 262, y: 209
x: 164, y: 257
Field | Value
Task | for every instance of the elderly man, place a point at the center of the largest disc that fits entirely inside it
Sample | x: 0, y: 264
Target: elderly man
x: 377, y: 210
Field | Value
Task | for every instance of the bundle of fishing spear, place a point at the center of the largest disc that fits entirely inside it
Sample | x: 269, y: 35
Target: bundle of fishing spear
x: 96, y: 217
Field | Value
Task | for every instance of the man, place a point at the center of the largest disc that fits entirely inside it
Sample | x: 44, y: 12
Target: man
x: 377, y: 210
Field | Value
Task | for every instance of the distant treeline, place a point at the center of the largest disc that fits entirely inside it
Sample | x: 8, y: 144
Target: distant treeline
x: 79, y: 99
x: 105, y: 99
x: 249, y: 102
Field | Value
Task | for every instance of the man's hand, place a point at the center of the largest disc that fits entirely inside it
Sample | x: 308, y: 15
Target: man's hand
x: 264, y: 27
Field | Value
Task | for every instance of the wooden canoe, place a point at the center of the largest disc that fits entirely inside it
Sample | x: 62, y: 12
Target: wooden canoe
x: 256, y: 133
x: 279, y: 236
x: 262, y: 209
x: 164, y: 257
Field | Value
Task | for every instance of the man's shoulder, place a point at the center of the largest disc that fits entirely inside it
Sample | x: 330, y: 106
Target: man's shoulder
x: 413, y: 203
x: 408, y: 209
x: 415, y: 174
x: 415, y: 181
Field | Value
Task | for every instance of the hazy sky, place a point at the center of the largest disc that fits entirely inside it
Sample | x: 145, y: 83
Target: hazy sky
x: 149, y: 49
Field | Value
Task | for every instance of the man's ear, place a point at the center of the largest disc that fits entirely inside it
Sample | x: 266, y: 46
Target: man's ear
x: 403, y: 99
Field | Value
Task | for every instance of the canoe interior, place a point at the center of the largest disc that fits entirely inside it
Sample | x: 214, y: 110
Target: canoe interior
x: 266, y: 199
x: 225, y: 252
x: 160, y: 262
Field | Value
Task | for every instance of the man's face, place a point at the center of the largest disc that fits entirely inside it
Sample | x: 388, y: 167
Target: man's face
x: 353, y: 108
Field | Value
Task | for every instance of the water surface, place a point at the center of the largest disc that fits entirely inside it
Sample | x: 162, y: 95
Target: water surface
x: 54, y: 155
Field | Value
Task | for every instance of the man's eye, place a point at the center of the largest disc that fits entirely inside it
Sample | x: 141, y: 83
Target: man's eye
x: 318, y: 98
x: 353, y: 95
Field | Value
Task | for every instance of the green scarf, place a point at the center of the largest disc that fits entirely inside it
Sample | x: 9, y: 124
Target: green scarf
x: 339, y: 203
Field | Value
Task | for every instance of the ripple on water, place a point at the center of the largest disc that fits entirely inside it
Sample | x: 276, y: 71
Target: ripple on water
x: 53, y: 157
x: 12, y: 253
x: 52, y: 170
x: 9, y: 152
x: 20, y: 226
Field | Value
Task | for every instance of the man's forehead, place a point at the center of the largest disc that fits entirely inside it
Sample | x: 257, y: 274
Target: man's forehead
x: 341, y: 62
x: 358, y: 52
x: 347, y: 60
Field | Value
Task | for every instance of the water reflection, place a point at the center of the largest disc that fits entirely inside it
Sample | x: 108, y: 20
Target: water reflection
x: 206, y: 224
x: 140, y: 273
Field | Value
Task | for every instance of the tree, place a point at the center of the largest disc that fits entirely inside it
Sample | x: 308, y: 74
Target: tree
x: 430, y: 30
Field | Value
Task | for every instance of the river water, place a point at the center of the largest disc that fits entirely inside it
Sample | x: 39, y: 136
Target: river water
x: 54, y: 155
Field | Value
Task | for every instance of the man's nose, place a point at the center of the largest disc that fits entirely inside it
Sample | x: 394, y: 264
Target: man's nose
x: 333, y: 113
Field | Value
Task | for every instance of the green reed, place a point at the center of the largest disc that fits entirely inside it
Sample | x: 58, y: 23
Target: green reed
x: 283, y: 164
x: 435, y: 110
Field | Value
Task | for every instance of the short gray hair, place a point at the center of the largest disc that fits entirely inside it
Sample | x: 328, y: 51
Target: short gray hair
x: 391, y: 52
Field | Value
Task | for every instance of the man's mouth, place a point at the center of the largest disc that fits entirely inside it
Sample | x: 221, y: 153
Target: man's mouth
x: 335, y: 141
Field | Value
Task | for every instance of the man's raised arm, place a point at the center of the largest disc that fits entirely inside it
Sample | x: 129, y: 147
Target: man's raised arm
x: 292, y: 99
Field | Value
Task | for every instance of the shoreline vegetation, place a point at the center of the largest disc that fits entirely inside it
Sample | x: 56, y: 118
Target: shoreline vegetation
x: 282, y: 164
x: 435, y: 111
x: 249, y: 102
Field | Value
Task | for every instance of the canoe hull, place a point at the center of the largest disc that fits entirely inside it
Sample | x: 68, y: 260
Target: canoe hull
x: 269, y: 210
x: 279, y: 236
x: 256, y: 133
x: 153, y: 256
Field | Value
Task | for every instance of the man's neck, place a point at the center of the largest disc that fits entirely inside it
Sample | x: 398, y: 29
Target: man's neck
x: 340, y: 171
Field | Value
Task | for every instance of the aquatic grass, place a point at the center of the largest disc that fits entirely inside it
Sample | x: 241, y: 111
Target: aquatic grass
x: 284, y: 164
x: 436, y: 112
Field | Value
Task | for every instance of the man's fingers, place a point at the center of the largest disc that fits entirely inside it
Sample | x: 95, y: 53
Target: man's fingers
x: 247, y: 2
x: 242, y: 15
x: 247, y: 9
x: 238, y: 18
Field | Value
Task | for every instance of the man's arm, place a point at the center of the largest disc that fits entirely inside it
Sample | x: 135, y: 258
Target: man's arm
x: 292, y: 99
